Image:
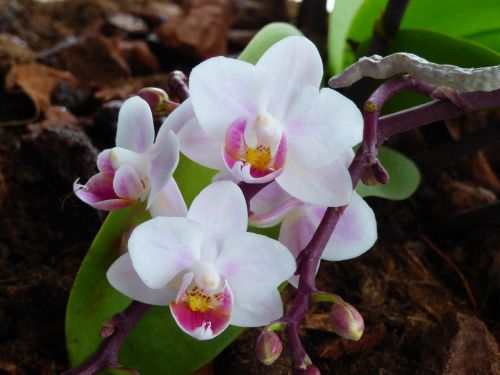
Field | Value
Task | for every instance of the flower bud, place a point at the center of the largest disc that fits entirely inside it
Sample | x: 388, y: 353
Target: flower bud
x: 374, y: 174
x: 347, y: 321
x: 158, y: 101
x: 268, y: 347
x: 309, y: 370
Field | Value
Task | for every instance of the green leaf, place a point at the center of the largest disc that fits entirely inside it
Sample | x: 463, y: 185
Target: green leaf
x: 467, y: 19
x: 338, y: 27
x: 192, y: 178
x: 265, y: 38
x: 444, y: 49
x: 404, y: 177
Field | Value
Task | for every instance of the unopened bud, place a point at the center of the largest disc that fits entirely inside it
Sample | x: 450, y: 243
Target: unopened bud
x: 268, y: 347
x: 374, y: 174
x: 158, y: 101
x: 309, y: 370
x: 347, y: 321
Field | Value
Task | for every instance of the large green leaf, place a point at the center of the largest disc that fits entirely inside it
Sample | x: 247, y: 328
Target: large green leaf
x: 404, y: 177
x: 156, y: 345
x: 466, y: 19
x: 265, y: 38
x: 338, y: 27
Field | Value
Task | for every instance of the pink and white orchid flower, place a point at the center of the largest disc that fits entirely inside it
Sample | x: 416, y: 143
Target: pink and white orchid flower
x: 355, y: 233
x: 206, y: 266
x: 271, y: 121
x: 137, y: 169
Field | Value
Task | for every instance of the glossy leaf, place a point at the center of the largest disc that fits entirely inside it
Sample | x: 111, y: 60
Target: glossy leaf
x: 338, y: 27
x: 467, y: 19
x: 265, y: 38
x: 404, y: 177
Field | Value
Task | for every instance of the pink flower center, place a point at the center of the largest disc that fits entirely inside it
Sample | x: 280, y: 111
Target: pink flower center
x: 261, y: 146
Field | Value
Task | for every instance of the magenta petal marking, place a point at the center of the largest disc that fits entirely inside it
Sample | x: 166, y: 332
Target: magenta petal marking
x: 99, y: 193
x: 203, y: 315
x: 104, y: 162
x: 234, y: 146
x: 280, y: 157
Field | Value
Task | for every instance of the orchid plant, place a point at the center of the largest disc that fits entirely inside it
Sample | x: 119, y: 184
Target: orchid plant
x: 282, y: 149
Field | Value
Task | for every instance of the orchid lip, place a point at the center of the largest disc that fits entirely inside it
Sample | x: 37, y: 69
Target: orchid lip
x: 257, y: 151
x: 202, y: 314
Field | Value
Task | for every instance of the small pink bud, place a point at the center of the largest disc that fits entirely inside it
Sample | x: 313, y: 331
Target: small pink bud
x: 309, y: 370
x: 158, y: 101
x: 347, y: 321
x: 268, y: 347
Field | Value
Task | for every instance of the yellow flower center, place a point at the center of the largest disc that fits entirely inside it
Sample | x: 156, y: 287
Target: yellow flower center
x: 198, y: 303
x: 259, y: 157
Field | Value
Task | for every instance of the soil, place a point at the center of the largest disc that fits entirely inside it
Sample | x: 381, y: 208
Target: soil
x: 429, y: 290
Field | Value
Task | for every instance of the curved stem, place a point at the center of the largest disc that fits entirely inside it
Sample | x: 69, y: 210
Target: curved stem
x: 116, y: 331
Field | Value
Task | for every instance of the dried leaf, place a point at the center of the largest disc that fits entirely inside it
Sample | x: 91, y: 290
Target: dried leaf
x: 38, y: 82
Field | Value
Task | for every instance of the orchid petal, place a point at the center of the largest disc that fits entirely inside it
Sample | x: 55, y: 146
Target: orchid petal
x: 291, y: 64
x: 204, y: 324
x: 122, y: 276
x: 119, y: 157
x: 98, y: 193
x: 224, y: 89
x: 355, y: 233
x: 257, y: 309
x: 324, y: 128
x: 179, y: 117
x: 135, y: 129
x: 297, y: 230
x: 271, y: 205
x: 104, y: 164
x: 197, y: 145
x: 225, y: 175
x: 244, y: 172
x: 127, y: 183
x: 221, y: 210
x: 328, y: 186
x: 163, y: 247
x: 164, y: 160
x: 254, y: 267
x: 169, y: 202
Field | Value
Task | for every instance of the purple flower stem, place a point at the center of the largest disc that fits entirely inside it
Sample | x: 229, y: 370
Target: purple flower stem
x: 117, y: 330
x: 387, y: 126
x: 375, y: 172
